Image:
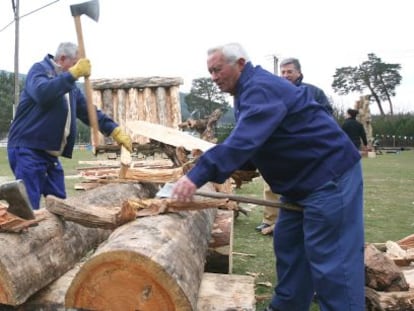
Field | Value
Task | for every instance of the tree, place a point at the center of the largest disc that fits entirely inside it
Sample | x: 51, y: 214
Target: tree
x: 205, y: 97
x: 6, y: 101
x: 378, y: 77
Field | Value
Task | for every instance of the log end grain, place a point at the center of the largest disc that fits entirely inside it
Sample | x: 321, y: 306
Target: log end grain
x: 124, y: 280
x: 6, y: 295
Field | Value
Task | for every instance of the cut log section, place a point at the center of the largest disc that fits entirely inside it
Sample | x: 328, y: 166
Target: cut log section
x: 101, y: 207
x: 151, y: 264
x: 31, y: 260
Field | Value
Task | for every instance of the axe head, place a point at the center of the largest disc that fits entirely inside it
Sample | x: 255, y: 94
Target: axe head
x: 165, y: 191
x: 15, y: 194
x: 89, y: 8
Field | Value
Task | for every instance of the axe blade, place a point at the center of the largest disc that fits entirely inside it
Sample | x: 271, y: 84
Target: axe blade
x: 89, y: 8
x: 165, y: 191
x: 15, y: 194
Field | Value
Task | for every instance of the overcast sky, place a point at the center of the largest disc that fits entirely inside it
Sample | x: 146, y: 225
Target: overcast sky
x: 169, y: 38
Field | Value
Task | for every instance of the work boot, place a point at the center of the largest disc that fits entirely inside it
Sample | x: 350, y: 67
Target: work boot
x: 262, y: 226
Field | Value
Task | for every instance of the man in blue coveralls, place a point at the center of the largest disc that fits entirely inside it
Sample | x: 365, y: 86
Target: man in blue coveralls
x: 304, y: 155
x: 44, y: 126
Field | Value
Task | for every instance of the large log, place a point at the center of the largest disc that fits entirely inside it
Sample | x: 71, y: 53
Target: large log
x: 52, y: 297
x: 31, y: 260
x: 151, y: 264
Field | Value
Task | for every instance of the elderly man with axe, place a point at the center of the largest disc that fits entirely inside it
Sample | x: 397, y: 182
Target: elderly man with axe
x: 44, y: 126
x: 304, y: 155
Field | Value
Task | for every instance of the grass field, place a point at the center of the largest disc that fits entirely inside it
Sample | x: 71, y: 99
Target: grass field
x: 389, y: 213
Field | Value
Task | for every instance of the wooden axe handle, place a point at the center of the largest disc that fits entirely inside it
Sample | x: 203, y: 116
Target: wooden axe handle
x: 243, y: 199
x: 93, y: 119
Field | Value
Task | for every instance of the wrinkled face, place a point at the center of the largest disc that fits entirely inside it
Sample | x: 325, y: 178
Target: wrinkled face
x: 224, y: 74
x: 289, y: 72
x: 65, y: 62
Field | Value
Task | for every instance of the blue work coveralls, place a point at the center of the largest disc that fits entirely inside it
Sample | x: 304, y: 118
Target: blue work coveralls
x: 303, y: 154
x: 39, y: 126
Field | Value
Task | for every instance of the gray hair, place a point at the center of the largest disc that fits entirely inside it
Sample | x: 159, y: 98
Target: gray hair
x: 231, y: 51
x: 293, y: 61
x: 68, y: 49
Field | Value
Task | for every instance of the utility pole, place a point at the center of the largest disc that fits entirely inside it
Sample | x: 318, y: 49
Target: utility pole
x: 15, y: 4
x: 275, y: 65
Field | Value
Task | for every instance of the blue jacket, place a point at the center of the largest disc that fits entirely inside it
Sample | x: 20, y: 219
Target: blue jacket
x: 284, y: 133
x: 318, y: 94
x: 40, y: 117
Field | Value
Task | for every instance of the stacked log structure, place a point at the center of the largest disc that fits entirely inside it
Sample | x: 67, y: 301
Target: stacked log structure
x: 152, y: 99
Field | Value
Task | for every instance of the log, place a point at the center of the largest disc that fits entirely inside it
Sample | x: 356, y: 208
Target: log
x: 220, y: 248
x: 150, y: 264
x: 101, y: 207
x: 136, y: 82
x: 31, y: 260
x: 152, y: 207
x: 205, y: 127
x: 150, y: 175
x: 51, y: 297
x: 389, y: 301
x: 381, y: 273
x: 218, y: 292
x: 407, y: 242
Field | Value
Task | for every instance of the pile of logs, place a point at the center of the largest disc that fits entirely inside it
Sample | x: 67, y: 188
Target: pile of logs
x: 91, y: 252
x: 389, y: 271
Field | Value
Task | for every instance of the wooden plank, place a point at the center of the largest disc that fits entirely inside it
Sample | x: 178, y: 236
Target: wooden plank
x: 223, y: 292
x: 168, y: 135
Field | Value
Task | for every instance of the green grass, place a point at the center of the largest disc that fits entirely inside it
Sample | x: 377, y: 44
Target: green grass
x: 389, y: 210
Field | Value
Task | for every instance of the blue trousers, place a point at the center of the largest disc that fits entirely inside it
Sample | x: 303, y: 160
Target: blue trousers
x: 322, y: 249
x: 41, y: 173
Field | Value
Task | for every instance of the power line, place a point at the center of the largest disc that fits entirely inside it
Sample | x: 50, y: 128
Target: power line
x: 31, y: 12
